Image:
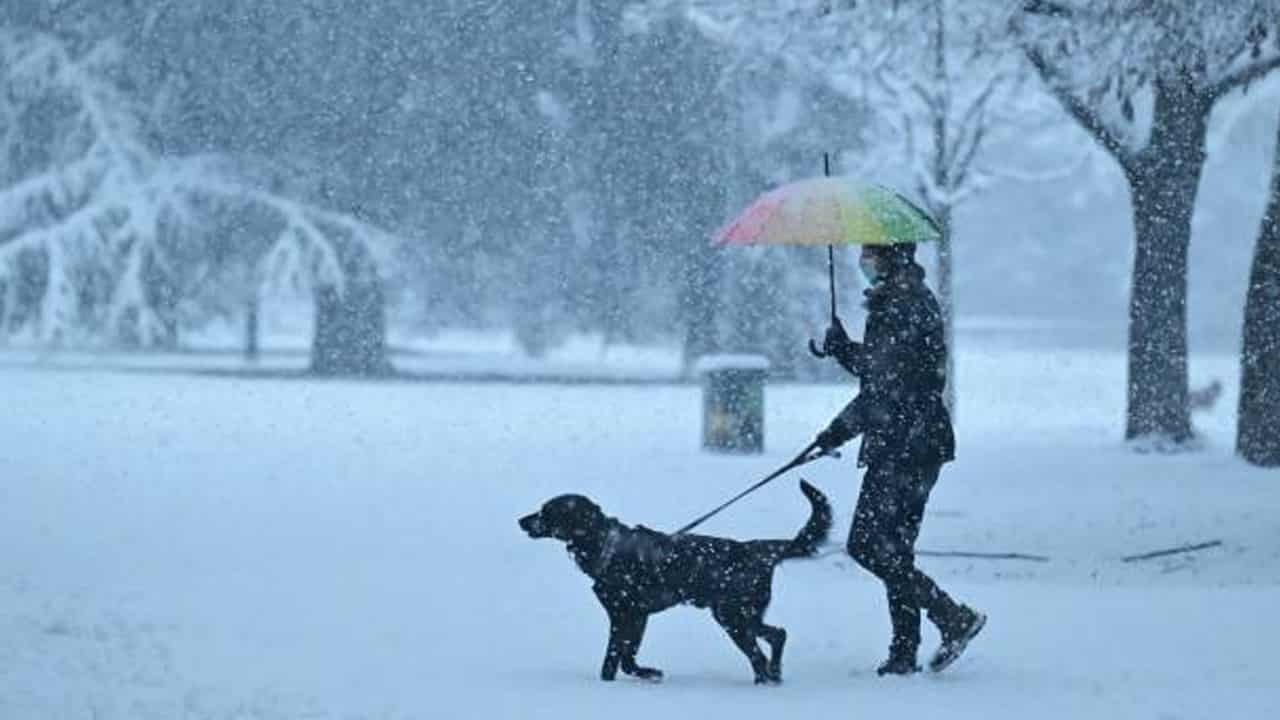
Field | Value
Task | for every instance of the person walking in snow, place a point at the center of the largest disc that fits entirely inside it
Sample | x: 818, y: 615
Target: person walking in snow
x: 906, y: 438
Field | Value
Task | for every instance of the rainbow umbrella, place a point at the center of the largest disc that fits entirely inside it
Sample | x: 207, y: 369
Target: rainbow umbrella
x: 830, y: 211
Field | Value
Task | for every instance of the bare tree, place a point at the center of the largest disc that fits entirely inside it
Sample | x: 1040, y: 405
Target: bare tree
x: 953, y: 83
x: 941, y: 78
x: 1142, y: 77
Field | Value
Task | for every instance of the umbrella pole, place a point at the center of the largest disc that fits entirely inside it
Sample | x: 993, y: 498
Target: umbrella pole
x: 831, y: 267
x: 831, y: 251
x: 831, y: 278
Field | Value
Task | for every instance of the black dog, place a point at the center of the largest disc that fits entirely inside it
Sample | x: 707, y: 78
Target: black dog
x: 639, y: 572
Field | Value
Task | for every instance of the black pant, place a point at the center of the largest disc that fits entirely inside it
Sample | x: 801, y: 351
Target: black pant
x: 886, y: 523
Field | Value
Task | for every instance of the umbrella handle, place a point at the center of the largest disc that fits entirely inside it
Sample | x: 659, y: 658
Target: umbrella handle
x: 813, y: 348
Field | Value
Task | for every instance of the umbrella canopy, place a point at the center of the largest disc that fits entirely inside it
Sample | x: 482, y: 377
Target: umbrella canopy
x: 830, y: 211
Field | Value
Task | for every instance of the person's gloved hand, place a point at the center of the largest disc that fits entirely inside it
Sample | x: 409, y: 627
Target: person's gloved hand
x: 833, y: 437
x: 837, y: 340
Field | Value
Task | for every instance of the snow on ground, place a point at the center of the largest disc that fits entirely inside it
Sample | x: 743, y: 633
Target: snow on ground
x: 488, y: 354
x: 203, y: 548
x: 454, y: 354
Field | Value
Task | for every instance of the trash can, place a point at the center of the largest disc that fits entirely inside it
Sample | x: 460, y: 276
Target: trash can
x: 733, y: 402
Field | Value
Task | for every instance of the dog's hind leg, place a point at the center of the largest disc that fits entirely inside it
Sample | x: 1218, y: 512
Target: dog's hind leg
x: 743, y: 626
x: 777, y: 638
x: 625, y: 633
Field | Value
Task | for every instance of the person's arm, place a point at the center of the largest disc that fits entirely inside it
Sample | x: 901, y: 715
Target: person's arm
x: 881, y: 366
x: 851, y: 356
x: 845, y: 426
x: 849, y: 353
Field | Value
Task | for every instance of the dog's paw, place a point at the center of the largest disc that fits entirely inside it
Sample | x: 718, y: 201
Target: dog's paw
x: 650, y: 674
x: 769, y: 679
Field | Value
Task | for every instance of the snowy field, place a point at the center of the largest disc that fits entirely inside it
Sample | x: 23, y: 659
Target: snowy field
x: 176, y: 547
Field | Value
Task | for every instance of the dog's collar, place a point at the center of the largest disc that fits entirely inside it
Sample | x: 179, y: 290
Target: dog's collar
x: 607, y: 551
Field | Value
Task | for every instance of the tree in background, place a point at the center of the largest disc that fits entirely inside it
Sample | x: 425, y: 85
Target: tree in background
x: 338, y: 258
x: 680, y: 177
x: 85, y: 194
x: 366, y: 110
x: 350, y: 334
x: 1258, y: 418
x: 1143, y: 78
x: 632, y: 114
x: 478, y: 129
x: 93, y: 221
x: 938, y: 79
x: 949, y: 73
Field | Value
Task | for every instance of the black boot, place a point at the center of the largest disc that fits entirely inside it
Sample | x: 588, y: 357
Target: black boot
x: 898, y: 664
x: 902, y: 656
x: 904, y: 615
x: 961, y: 628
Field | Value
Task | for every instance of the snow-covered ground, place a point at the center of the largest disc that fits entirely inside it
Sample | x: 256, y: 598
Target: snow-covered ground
x: 201, y: 548
x: 489, y: 354
x: 453, y: 354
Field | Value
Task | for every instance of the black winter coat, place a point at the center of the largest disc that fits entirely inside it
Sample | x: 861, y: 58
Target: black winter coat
x: 902, y: 368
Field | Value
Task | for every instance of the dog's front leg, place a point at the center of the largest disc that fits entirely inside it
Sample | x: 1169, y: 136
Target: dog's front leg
x: 616, y: 650
x: 626, y: 630
x: 633, y: 635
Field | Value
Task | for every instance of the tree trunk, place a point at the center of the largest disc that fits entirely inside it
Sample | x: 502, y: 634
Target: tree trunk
x: 1258, y: 419
x: 942, y: 178
x: 699, y: 292
x: 350, y: 324
x: 251, y: 330
x: 947, y: 299
x: 1158, y: 407
x: 1164, y: 180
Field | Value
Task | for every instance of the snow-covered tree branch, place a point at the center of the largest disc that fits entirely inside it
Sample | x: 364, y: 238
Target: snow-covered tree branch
x: 1084, y: 114
x: 96, y: 201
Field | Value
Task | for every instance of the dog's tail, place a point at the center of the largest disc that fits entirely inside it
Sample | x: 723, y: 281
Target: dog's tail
x: 815, y: 531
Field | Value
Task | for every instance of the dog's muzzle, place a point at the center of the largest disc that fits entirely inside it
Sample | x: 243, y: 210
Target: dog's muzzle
x: 532, y: 524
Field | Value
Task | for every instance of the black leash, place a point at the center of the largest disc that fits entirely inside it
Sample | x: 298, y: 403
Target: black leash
x: 803, y: 458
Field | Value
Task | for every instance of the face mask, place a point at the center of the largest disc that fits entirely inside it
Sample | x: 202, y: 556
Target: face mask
x: 869, y: 269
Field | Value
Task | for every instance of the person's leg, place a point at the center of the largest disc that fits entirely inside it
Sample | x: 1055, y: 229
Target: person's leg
x: 957, y: 624
x: 876, y: 543
x: 917, y: 588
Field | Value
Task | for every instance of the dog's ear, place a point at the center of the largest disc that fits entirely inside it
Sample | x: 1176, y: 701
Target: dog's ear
x: 588, y: 511
x: 572, y: 514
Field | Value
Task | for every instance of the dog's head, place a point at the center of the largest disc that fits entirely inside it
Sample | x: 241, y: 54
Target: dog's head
x: 564, y: 517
